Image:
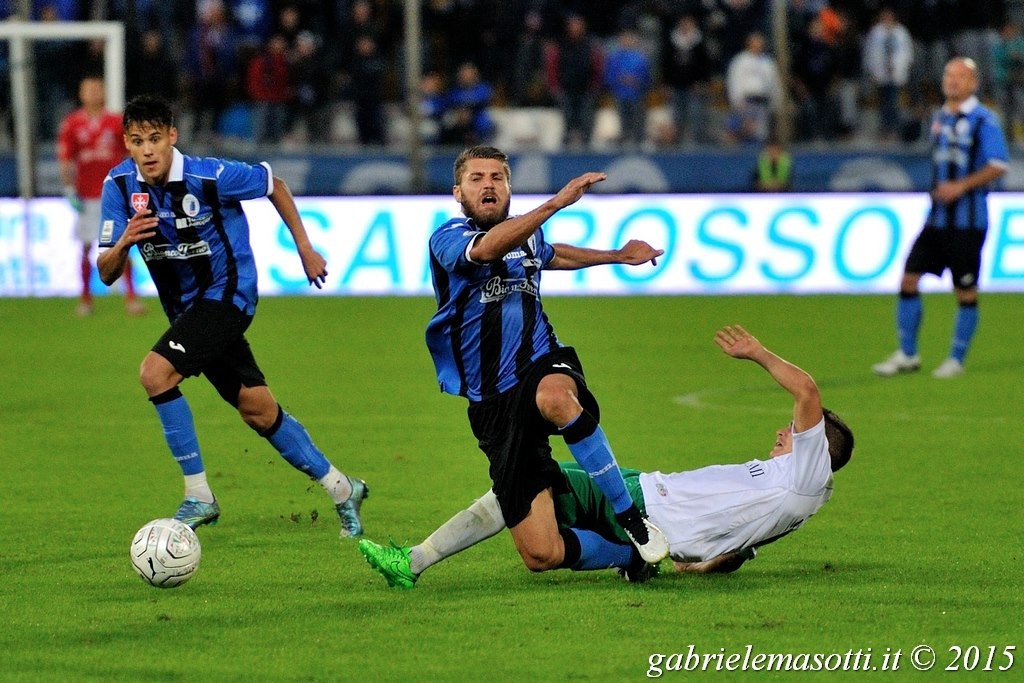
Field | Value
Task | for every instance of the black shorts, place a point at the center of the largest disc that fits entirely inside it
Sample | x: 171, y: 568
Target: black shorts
x: 514, y: 436
x: 937, y: 249
x: 209, y: 338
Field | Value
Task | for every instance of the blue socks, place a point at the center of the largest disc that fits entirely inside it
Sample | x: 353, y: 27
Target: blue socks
x: 295, y: 445
x: 587, y: 550
x: 908, y: 321
x: 963, y: 330
x: 179, y: 430
x: 289, y: 437
x: 590, y: 448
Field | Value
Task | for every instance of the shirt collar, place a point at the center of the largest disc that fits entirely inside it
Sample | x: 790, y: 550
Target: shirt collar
x: 966, y: 107
x: 177, y: 171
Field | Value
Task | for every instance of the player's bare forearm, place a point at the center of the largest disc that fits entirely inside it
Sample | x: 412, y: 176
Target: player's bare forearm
x: 952, y: 190
x: 67, y: 174
x: 313, y: 263
x: 723, y: 564
x: 739, y: 343
x: 112, y: 262
x: 512, y: 232
x: 634, y: 253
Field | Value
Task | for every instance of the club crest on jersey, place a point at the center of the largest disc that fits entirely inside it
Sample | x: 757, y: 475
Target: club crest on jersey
x: 190, y: 205
x: 140, y: 201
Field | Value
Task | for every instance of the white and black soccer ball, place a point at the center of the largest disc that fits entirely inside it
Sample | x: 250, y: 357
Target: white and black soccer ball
x: 165, y: 553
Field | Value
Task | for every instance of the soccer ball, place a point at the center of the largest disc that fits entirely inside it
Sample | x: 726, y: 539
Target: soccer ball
x: 165, y: 553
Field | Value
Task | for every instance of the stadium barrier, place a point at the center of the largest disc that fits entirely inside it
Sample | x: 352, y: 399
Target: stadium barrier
x: 718, y: 244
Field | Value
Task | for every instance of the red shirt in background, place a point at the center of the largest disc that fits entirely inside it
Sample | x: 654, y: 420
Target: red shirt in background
x: 94, y: 144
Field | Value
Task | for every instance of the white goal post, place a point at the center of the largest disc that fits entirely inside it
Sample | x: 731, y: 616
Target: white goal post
x: 20, y: 35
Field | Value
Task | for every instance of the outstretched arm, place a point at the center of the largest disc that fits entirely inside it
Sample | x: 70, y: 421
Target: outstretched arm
x: 739, y: 343
x: 510, y: 233
x: 633, y: 253
x: 312, y: 262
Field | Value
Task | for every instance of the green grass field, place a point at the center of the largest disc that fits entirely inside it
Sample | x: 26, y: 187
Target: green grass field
x: 920, y: 545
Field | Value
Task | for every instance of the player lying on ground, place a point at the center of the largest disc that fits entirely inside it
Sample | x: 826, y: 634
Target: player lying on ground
x: 714, y: 517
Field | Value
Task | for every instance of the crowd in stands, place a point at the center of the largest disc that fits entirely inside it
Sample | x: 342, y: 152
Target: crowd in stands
x: 674, y: 72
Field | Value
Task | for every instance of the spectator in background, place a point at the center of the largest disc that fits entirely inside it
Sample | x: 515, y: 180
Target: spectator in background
x: 168, y: 17
x: 888, y: 54
x: 773, y: 171
x: 528, y: 86
x: 268, y: 85
x: 53, y: 86
x: 362, y: 21
x: 314, y: 15
x: 687, y: 70
x: 151, y: 69
x: 848, y: 74
x: 311, y: 80
x: 1008, y: 60
x: 289, y: 23
x: 211, y: 67
x: 254, y: 21
x: 628, y: 78
x: 734, y: 21
x: 90, y: 60
x: 433, y: 104
x: 813, y: 73
x: 753, y: 88
x: 368, y: 71
x: 575, y: 67
x: 977, y: 24
x: 468, y: 101
x: 931, y: 24
x: 55, y: 10
x: 89, y: 144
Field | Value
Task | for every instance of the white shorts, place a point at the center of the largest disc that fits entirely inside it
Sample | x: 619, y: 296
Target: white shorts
x: 87, y: 225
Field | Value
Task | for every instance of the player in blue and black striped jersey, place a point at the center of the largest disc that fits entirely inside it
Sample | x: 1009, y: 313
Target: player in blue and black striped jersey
x: 492, y: 343
x: 969, y: 153
x: 184, y: 215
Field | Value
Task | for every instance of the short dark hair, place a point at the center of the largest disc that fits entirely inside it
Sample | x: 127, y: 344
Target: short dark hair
x: 840, y: 439
x: 148, y: 109
x: 480, y: 152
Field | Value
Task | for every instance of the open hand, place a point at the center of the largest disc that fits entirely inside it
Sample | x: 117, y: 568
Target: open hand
x: 737, y: 342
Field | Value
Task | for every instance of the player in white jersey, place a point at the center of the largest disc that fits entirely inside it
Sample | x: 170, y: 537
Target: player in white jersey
x: 714, y: 517
x: 722, y: 509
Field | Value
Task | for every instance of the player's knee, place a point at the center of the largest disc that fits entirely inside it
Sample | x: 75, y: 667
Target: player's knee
x: 157, y: 375
x: 257, y: 408
x: 538, y: 560
x: 541, y: 554
x: 909, y: 284
x: 557, y: 405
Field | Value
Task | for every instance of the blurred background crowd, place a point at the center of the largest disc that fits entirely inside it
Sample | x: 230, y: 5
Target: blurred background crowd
x: 569, y: 74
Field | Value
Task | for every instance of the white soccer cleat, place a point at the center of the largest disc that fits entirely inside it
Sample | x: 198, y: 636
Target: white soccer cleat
x: 950, y: 367
x: 656, y: 548
x: 897, y: 363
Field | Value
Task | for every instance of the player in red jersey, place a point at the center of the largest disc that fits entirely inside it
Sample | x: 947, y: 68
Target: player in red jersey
x: 89, y: 144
